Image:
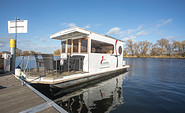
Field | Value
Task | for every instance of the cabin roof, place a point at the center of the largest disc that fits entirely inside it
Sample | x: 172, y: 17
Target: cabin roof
x: 75, y: 31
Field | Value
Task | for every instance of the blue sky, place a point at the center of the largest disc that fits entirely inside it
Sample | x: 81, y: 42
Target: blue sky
x: 139, y: 20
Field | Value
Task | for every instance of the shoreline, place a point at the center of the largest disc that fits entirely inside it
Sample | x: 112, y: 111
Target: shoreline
x: 175, y: 57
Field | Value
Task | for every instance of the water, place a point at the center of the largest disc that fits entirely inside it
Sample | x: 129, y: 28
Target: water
x: 154, y: 86
x: 150, y: 86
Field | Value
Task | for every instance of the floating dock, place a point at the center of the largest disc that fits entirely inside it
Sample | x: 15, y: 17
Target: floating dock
x: 14, y: 98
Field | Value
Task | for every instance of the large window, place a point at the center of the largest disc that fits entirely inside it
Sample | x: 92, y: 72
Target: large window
x: 75, y: 45
x: 101, y: 47
x: 69, y: 45
x: 63, y: 46
x: 84, y: 43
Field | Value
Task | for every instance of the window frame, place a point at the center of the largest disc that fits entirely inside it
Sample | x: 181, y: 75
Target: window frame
x: 77, y: 45
x: 87, y: 44
x: 103, y: 43
x: 64, y: 46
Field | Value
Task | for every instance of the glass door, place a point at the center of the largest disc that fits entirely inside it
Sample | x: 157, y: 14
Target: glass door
x: 69, y: 47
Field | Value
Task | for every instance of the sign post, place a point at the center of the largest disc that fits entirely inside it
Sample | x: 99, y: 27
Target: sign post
x: 15, y: 27
x: 13, y: 54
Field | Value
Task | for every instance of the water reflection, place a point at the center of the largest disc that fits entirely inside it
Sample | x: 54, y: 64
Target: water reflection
x: 150, y: 86
x: 98, y: 98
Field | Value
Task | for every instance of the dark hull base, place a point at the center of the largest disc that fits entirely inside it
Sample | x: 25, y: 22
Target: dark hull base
x: 80, y: 82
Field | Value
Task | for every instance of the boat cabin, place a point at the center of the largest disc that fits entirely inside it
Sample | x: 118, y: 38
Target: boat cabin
x: 95, y: 52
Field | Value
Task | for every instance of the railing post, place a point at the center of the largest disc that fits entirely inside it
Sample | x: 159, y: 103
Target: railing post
x: 29, y: 65
x: 22, y: 63
x: 79, y: 65
x: 26, y: 70
x: 56, y: 66
x: 68, y: 65
x: 44, y: 67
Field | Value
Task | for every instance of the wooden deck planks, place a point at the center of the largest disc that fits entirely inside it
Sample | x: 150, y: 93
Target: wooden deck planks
x: 16, y: 98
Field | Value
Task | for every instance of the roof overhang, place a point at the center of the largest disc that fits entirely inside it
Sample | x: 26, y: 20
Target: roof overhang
x: 70, y: 33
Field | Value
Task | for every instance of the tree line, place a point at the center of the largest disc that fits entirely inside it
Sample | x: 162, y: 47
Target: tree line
x: 28, y: 53
x: 31, y: 53
x: 56, y: 52
x: 162, y: 48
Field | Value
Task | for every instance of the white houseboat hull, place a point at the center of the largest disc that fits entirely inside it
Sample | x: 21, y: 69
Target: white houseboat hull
x: 88, y: 78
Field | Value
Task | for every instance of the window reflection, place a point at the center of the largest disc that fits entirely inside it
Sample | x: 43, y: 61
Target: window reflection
x: 75, y: 45
x: 69, y: 46
x: 101, y: 47
x: 63, y: 46
x: 84, y: 45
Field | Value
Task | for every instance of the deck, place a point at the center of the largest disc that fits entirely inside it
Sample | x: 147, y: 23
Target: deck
x: 16, y: 98
x: 65, y: 76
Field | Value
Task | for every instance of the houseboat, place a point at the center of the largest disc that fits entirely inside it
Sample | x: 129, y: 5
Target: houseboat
x: 93, y: 54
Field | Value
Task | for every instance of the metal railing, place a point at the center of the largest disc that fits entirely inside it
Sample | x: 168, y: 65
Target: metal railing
x: 51, y: 67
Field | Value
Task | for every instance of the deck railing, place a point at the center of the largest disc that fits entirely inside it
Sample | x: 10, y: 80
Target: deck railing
x: 51, y: 67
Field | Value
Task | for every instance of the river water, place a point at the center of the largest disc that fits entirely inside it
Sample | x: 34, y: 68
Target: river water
x: 154, y: 86
x: 150, y: 86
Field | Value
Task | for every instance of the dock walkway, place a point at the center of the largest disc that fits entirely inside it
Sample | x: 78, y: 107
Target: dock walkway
x: 16, y: 98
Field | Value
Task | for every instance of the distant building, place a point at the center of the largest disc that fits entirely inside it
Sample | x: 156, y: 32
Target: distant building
x: 1, y: 55
x: 18, y: 51
x: 5, y: 61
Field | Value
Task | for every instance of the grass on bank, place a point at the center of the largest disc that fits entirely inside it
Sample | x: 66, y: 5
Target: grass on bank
x: 149, y: 56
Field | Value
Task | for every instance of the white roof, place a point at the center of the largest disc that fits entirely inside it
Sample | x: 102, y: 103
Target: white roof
x: 76, y: 31
x: 69, y: 32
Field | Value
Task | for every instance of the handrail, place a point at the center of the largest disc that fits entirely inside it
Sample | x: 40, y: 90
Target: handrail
x: 70, y: 66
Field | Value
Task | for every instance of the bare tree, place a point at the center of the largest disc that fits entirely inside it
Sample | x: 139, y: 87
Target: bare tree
x: 125, y: 52
x: 155, y: 50
x: 162, y: 47
x: 170, y: 49
x: 145, y: 47
x: 163, y: 43
x: 56, y: 52
x: 130, y: 47
x: 136, y: 48
x: 183, y: 46
x: 177, y: 46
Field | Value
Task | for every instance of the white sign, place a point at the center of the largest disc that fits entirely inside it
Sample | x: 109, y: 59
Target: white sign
x: 21, y: 26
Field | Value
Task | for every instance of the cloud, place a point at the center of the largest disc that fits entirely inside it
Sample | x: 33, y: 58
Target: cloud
x: 113, y: 31
x: 36, y: 37
x: 1, y: 45
x: 87, y: 26
x: 68, y: 24
x: 117, y: 31
x: 172, y: 37
x: 129, y: 31
x: 163, y: 22
x: 4, y: 41
x: 25, y: 40
x: 71, y: 25
x: 27, y: 44
x: 45, y: 48
x: 139, y: 28
x: 97, y: 25
x: 141, y: 33
x: 129, y: 38
x: 42, y: 39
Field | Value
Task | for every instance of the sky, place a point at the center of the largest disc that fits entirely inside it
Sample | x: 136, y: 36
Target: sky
x: 138, y: 20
